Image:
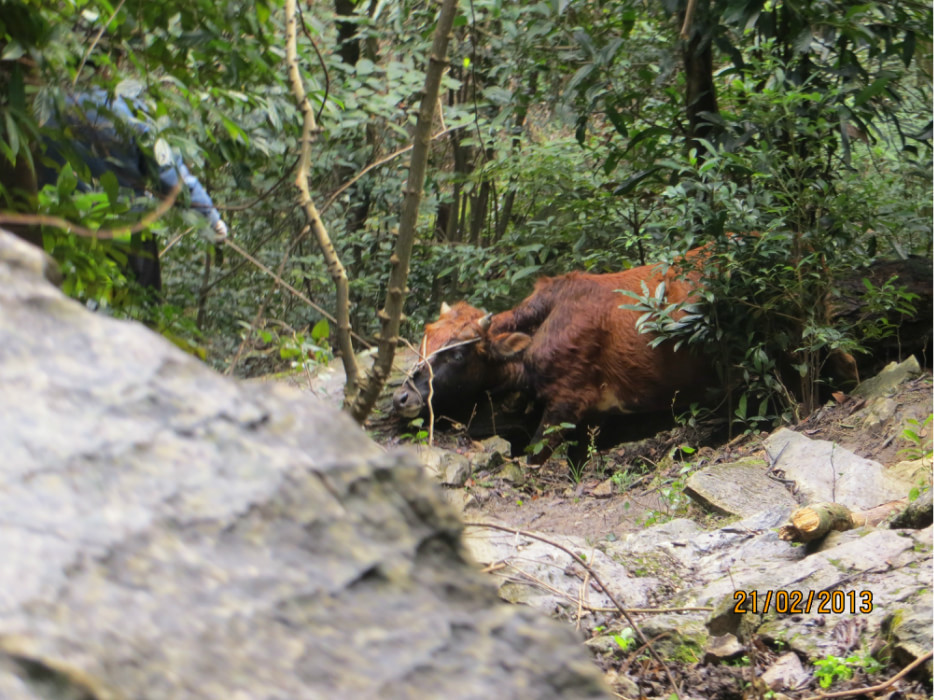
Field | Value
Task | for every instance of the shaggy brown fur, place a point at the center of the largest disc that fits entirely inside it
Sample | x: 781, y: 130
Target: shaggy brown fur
x: 570, y: 345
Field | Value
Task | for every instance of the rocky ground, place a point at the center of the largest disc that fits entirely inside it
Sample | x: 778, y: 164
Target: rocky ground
x: 167, y: 532
x: 682, y: 531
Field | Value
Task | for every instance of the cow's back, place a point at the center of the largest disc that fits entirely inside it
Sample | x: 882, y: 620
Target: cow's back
x: 586, y: 352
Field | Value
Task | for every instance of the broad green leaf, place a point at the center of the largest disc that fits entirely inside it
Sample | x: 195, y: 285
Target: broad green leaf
x: 873, y: 89
x: 321, y: 331
x: 111, y: 187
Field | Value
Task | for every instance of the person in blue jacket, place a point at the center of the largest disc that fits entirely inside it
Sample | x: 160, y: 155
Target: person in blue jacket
x: 107, y: 133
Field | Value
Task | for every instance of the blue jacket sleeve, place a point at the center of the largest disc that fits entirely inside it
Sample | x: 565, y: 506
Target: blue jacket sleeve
x: 199, y: 197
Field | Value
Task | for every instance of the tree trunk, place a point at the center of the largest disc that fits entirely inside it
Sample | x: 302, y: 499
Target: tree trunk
x: 335, y: 268
x: 348, y: 45
x: 522, y: 112
x: 697, y: 55
x: 18, y: 193
x: 391, y: 314
x: 478, y: 212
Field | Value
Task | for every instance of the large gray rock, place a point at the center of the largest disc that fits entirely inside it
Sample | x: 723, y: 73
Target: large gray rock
x: 738, y: 488
x: 890, y: 377
x: 825, y: 471
x: 168, y: 533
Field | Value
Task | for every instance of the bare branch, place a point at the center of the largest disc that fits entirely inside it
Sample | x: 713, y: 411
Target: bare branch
x: 593, y: 574
x: 390, y: 315
x: 380, y: 162
x: 99, y: 233
x: 335, y: 267
x: 100, y: 33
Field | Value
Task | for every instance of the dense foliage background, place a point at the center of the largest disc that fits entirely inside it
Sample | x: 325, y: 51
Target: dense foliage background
x: 574, y: 135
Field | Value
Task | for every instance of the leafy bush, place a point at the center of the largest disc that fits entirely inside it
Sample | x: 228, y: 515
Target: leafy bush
x: 765, y: 309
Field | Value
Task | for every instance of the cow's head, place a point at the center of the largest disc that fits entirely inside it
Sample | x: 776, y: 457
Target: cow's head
x: 460, y: 358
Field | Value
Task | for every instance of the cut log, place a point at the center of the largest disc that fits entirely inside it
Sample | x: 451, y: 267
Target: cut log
x: 816, y: 520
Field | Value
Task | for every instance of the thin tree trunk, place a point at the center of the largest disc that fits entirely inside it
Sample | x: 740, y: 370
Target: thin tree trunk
x: 462, y: 169
x: 348, y: 44
x: 391, y: 314
x: 18, y: 185
x: 697, y: 54
x: 521, y: 113
x: 335, y: 268
x: 478, y: 212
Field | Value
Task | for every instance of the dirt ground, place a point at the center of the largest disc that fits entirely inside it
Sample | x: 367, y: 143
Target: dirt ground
x: 633, y: 485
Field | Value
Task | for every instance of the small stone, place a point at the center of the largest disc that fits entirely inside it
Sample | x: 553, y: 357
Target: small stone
x: 910, y: 630
x: 879, y: 413
x: 493, y: 452
x: 786, y: 673
x: 723, y: 648
x: 512, y: 473
x: 604, y: 489
x: 431, y: 458
x: 461, y: 499
x: 455, y: 469
x: 623, y: 685
x: 738, y: 488
x: 912, y: 471
x: 917, y: 515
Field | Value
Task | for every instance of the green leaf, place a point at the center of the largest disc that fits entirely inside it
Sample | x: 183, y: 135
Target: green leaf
x: 580, y: 76
x: 630, y: 183
x: 111, y: 187
x: 13, y: 51
x: 235, y: 131
x: 617, y: 119
x: 12, y: 135
x: 321, y: 331
x: 67, y: 181
x: 873, y: 89
x: 525, y: 272
x: 741, y: 408
x: 650, y: 133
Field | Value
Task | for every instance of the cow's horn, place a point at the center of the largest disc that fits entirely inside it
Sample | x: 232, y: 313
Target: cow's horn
x: 445, y: 309
x: 485, y: 322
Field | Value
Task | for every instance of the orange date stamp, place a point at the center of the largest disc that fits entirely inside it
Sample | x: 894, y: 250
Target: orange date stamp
x: 801, y: 603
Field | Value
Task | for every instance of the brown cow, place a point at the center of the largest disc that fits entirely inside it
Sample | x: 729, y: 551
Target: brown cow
x: 568, y: 344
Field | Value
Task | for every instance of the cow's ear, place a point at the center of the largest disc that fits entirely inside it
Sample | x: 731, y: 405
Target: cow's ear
x: 509, y: 345
x: 445, y: 309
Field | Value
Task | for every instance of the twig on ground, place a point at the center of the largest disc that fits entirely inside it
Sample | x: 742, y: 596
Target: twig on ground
x: 599, y: 581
